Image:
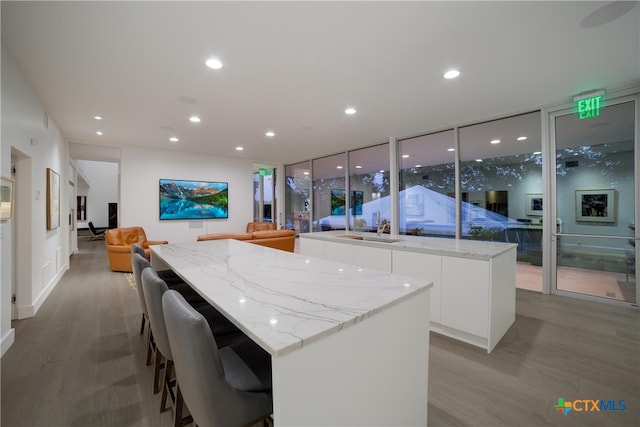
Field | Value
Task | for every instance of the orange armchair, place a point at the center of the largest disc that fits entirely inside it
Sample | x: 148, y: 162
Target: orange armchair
x: 119, y: 241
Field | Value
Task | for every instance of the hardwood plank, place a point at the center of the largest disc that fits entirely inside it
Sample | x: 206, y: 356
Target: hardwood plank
x: 81, y: 361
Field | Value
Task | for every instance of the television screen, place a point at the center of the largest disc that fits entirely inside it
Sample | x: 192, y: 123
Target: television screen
x: 193, y: 199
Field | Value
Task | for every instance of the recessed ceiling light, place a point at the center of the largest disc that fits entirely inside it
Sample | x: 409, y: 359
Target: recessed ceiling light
x: 521, y: 138
x: 451, y: 149
x: 339, y: 167
x: 194, y: 119
x: 451, y: 74
x: 350, y: 111
x: 270, y: 134
x: 381, y: 170
x: 358, y: 167
x: 537, y: 152
x: 97, y: 117
x: 214, y: 63
x: 174, y: 139
x: 418, y: 166
x: 495, y: 141
x: 405, y: 156
x: 99, y: 133
x: 239, y: 148
x: 305, y: 172
x: 478, y: 160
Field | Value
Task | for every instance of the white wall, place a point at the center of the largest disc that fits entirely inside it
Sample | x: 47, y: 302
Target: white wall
x: 102, y: 190
x: 43, y: 256
x: 141, y: 171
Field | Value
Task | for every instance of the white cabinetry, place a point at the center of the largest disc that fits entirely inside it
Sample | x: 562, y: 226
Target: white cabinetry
x: 473, y: 294
x: 424, y: 266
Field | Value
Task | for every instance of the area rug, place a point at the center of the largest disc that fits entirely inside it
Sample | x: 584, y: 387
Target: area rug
x: 130, y: 279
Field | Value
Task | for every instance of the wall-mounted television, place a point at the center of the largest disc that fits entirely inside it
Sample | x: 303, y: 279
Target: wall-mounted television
x: 193, y: 199
x: 338, y: 202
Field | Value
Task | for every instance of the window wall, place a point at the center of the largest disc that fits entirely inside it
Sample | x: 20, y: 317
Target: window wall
x: 501, y: 188
x: 486, y: 181
x: 329, y: 193
x: 501, y: 177
x: 369, y: 188
x: 427, y: 185
x: 297, y: 197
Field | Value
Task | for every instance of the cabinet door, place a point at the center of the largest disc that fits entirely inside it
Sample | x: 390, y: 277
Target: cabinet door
x: 375, y: 258
x: 423, y: 266
x: 310, y: 247
x: 340, y: 252
x: 465, y: 295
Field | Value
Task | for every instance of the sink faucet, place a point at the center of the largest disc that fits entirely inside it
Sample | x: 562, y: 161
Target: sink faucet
x: 383, y: 226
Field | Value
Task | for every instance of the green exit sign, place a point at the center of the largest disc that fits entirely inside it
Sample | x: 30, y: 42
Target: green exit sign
x: 589, y: 107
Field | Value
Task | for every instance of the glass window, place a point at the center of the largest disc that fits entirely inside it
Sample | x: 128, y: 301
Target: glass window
x: 369, y: 188
x: 427, y: 185
x: 329, y: 196
x: 501, y: 179
x: 297, y: 197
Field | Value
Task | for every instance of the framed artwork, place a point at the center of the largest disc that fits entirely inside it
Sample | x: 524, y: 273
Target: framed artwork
x: 53, y: 199
x: 595, y: 205
x: 533, y: 204
x: 6, y: 198
x: 193, y: 200
x: 338, y: 202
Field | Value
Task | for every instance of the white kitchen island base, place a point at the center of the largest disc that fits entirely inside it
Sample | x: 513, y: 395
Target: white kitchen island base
x: 473, y: 298
x: 381, y: 381
x: 349, y: 345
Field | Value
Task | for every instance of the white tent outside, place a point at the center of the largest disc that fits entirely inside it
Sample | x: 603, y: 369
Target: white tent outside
x: 434, y: 212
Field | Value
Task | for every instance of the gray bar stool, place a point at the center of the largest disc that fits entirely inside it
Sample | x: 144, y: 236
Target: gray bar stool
x: 229, y: 386
x: 153, y: 288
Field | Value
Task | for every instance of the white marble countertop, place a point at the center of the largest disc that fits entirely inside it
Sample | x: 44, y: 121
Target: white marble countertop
x: 473, y: 249
x: 280, y: 299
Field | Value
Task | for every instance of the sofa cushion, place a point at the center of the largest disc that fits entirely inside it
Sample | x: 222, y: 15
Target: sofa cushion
x: 271, y: 234
x: 219, y: 236
x: 259, y: 226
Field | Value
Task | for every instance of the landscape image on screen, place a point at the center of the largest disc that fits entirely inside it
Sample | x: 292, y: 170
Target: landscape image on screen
x: 193, y: 199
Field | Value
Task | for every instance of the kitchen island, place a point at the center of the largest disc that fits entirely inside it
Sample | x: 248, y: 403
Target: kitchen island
x: 473, y: 297
x: 349, y: 345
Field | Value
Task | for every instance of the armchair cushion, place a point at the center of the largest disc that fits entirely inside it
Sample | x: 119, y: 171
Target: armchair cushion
x: 119, y: 241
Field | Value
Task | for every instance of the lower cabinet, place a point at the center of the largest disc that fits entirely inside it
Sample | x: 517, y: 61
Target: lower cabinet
x: 472, y: 300
x: 423, y: 266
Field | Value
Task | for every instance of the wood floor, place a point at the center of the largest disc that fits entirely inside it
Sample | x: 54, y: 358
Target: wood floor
x: 80, y: 362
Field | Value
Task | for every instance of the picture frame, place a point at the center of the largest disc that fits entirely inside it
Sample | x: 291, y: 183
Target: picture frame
x: 6, y: 198
x: 595, y: 205
x: 53, y: 199
x: 533, y: 204
x: 338, y: 202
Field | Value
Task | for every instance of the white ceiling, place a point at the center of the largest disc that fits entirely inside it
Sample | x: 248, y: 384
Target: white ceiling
x: 293, y: 67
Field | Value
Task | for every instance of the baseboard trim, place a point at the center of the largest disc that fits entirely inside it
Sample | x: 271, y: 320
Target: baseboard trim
x: 7, y: 340
x: 26, y: 311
